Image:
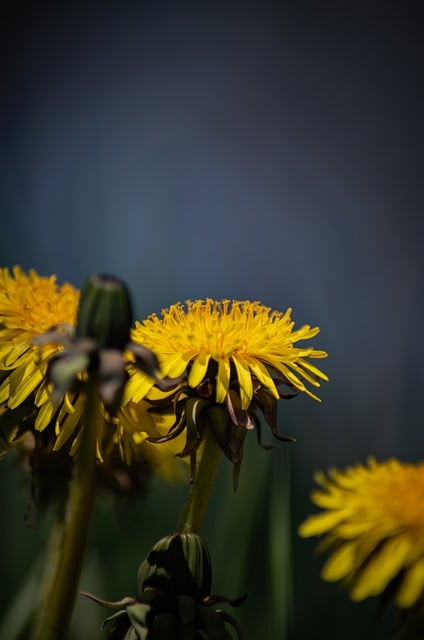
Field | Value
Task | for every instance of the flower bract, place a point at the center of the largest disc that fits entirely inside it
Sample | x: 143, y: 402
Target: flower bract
x: 373, y: 527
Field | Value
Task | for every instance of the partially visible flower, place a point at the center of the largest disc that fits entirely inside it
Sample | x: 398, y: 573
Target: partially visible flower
x: 174, y: 598
x: 373, y: 521
x: 31, y: 305
x: 136, y: 423
x: 41, y: 340
x: 234, y: 357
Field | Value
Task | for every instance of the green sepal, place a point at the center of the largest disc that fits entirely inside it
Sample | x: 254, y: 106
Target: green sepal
x: 108, y: 604
x: 219, y: 421
x: 118, y: 626
x: 230, y: 437
x: 138, y: 614
x: 269, y: 407
x: 193, y: 409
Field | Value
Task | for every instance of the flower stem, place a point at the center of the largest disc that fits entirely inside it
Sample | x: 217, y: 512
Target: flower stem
x: 209, y: 456
x: 69, y: 534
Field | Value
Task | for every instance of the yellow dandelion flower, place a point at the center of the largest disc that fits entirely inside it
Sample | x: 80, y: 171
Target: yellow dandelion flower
x: 233, y: 356
x: 373, y: 523
x: 42, y: 338
x: 31, y: 305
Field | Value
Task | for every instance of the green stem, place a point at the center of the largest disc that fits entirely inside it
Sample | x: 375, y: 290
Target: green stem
x: 69, y: 535
x: 208, y: 458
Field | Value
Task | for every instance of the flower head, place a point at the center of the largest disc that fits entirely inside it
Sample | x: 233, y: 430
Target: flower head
x: 245, y: 336
x: 233, y: 357
x: 31, y: 305
x: 374, y: 528
x: 47, y: 335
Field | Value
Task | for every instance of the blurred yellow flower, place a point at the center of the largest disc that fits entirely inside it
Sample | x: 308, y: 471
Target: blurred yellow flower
x: 374, y: 524
x: 30, y: 307
x: 135, y: 423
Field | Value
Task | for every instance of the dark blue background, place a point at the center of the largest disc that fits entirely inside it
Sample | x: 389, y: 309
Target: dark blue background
x: 261, y: 150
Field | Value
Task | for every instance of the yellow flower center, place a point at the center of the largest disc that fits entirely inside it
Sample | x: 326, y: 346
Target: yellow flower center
x: 393, y: 494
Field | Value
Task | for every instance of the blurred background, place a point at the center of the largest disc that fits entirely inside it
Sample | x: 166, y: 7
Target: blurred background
x: 259, y: 150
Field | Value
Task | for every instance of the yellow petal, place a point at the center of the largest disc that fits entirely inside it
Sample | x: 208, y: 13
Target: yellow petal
x: 18, y: 355
x: 341, y: 563
x: 308, y: 377
x: 23, y: 381
x: 174, y: 365
x: 287, y: 373
x: 43, y: 394
x: 305, y: 364
x: 4, y: 390
x: 353, y: 528
x: 412, y: 585
x: 45, y: 415
x: 137, y: 386
x: 384, y: 565
x: 68, y: 422
x: 198, y: 369
x: 245, y: 381
x: 222, y: 379
x: 261, y: 372
x: 332, y: 499
x: 322, y: 522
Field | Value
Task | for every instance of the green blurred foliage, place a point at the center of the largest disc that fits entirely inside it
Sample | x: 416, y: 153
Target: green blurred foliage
x: 253, y: 544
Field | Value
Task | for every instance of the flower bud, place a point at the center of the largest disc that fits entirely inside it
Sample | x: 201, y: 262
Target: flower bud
x: 105, y: 312
x: 178, y: 564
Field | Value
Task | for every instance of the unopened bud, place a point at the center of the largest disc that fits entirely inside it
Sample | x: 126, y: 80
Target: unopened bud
x: 105, y: 312
x: 178, y: 565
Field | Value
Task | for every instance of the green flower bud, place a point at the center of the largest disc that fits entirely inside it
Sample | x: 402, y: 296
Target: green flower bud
x: 178, y: 564
x: 105, y: 312
x: 174, y: 601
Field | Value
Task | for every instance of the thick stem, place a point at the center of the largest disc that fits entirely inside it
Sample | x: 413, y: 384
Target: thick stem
x: 69, y: 535
x: 209, y: 456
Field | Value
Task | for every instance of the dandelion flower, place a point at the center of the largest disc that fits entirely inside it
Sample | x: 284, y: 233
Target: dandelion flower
x: 44, y: 337
x: 234, y: 357
x: 31, y: 305
x: 373, y: 523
